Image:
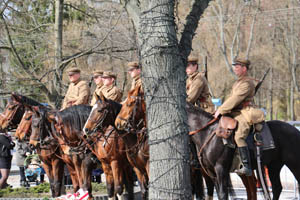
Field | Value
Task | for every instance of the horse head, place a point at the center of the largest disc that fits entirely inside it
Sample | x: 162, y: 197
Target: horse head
x: 133, y: 111
x: 40, y: 126
x: 12, y: 113
x: 24, y: 127
x: 103, y: 114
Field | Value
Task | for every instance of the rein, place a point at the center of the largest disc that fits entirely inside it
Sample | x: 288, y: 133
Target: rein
x: 204, y: 127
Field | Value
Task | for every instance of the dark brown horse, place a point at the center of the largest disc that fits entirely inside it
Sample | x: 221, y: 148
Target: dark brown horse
x: 103, y: 115
x: 111, y: 151
x: 66, y: 128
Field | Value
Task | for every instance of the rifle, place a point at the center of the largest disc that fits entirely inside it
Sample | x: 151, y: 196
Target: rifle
x: 91, y: 81
x: 261, y: 80
x: 205, y: 67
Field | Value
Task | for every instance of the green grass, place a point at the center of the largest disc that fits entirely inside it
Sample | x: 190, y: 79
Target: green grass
x: 43, y: 191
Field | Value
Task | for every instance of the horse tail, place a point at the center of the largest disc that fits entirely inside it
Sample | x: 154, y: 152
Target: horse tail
x: 197, y: 183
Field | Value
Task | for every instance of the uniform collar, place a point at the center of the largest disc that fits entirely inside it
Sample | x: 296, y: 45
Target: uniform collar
x: 137, y: 78
x: 242, y: 77
x: 75, y: 83
x: 193, y: 74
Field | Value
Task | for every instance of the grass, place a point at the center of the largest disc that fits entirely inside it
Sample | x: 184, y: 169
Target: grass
x: 43, y: 191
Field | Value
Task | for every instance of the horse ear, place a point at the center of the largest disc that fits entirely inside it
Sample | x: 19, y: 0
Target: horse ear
x: 102, y: 97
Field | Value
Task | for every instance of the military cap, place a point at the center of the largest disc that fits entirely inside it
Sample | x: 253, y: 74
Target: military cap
x: 97, y: 73
x: 192, y: 59
x: 243, y: 62
x: 133, y: 64
x: 73, y: 70
x: 109, y: 74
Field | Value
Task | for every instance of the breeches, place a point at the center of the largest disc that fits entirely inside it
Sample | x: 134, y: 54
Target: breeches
x: 242, y: 131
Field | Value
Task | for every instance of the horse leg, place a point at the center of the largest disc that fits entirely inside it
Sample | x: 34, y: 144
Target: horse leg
x: 250, y: 185
x: 210, y: 186
x: 118, y: 178
x: 197, y: 183
x: 57, y: 171
x: 274, y: 173
x: 86, y: 171
x: 129, y: 182
x: 48, y: 170
x: 73, y: 176
x: 222, y: 182
x: 109, y: 180
x: 142, y: 181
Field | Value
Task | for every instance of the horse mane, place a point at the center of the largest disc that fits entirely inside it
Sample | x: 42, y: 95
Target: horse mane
x: 28, y: 101
x: 75, y: 116
x: 198, y: 111
x: 116, y: 105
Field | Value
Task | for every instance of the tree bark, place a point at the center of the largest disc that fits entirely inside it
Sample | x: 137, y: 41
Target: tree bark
x: 164, y: 86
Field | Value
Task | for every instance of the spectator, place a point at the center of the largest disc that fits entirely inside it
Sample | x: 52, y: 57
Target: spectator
x: 22, y: 149
x: 6, y: 145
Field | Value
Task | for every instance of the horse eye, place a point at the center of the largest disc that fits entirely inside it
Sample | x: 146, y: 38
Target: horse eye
x: 10, y: 108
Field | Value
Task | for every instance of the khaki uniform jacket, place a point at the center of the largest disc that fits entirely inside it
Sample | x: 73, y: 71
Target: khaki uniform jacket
x: 78, y: 93
x: 198, y: 92
x: 241, y: 100
x: 111, y: 92
x: 96, y: 92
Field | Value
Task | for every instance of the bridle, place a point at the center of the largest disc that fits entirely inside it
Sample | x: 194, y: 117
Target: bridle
x: 131, y: 119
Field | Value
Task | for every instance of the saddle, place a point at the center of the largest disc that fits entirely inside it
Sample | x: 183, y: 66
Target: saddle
x: 226, y: 127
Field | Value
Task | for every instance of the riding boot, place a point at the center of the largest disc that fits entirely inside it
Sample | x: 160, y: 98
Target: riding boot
x: 245, y: 157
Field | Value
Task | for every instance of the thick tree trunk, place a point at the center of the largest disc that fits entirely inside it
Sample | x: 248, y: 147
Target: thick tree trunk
x: 163, y: 75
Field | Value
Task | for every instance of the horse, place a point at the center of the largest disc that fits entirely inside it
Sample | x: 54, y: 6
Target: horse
x: 66, y: 126
x: 134, y: 113
x: 12, y: 114
x: 52, y: 163
x: 103, y: 115
x: 110, y: 150
x: 216, y: 158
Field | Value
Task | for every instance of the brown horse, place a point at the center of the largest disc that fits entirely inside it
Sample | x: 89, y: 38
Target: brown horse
x: 66, y: 128
x: 52, y: 164
x: 49, y: 150
x: 103, y: 115
x: 12, y: 114
x: 111, y: 151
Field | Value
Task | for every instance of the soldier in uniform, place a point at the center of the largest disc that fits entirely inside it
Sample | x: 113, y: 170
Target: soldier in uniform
x: 134, y: 71
x: 197, y: 87
x: 240, y: 106
x: 78, y: 91
x: 109, y: 90
x: 97, y: 76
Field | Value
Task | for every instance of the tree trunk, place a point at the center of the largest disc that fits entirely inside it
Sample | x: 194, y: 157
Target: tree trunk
x: 58, y: 29
x: 292, y: 113
x: 163, y: 75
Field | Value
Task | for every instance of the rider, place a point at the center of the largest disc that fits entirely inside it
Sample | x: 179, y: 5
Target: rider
x: 134, y: 70
x: 78, y: 91
x: 109, y: 90
x: 97, y: 76
x: 240, y: 105
x: 197, y: 87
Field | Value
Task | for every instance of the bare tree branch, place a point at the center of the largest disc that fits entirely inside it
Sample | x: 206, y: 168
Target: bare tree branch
x: 191, y: 25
